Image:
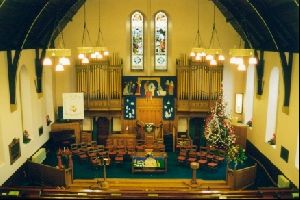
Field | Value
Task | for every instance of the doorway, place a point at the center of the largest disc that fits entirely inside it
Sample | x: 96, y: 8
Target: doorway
x: 102, y: 130
x: 196, y: 131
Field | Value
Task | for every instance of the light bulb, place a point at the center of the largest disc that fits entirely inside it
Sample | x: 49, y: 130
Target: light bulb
x: 106, y: 53
x: 81, y: 56
x: 252, y: 61
x: 93, y: 55
x: 221, y: 58
x: 198, y: 57
x: 209, y: 57
x: 193, y: 54
x: 47, y: 61
x: 213, y: 62
x: 202, y: 54
x: 241, y: 67
x: 85, y: 60
x: 233, y: 60
x: 59, y: 67
x: 64, y: 61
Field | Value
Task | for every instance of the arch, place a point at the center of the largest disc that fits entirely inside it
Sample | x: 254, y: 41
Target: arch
x: 102, y: 130
x: 1, y: 145
x: 25, y: 100
x: 196, y: 131
x: 272, y: 106
x: 48, y: 93
x: 249, y: 94
x: 137, y: 40
x: 297, y: 154
x: 161, y: 40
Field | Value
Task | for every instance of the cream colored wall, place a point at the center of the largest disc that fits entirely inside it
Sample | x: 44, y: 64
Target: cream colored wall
x: 11, y: 124
x: 115, y: 26
x: 287, y: 125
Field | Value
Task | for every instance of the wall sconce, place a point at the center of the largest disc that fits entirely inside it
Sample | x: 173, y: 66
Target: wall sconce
x: 239, y: 103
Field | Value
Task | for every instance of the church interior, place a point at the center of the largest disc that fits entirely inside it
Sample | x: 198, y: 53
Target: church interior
x: 149, y: 99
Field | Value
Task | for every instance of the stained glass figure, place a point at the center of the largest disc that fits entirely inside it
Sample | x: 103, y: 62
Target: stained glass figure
x: 137, y: 41
x: 161, y: 41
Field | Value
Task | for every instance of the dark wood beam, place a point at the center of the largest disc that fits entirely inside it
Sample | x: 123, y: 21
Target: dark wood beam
x: 39, y: 69
x: 260, y: 72
x: 12, y: 63
x: 287, y: 76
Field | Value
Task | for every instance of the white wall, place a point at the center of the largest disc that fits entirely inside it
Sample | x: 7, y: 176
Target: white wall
x: 11, y: 124
x: 287, y: 126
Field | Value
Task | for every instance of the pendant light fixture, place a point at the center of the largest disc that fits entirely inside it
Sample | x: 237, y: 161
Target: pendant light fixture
x: 214, y: 55
x: 100, y: 51
x: 60, y: 54
x: 83, y: 51
x: 198, y: 52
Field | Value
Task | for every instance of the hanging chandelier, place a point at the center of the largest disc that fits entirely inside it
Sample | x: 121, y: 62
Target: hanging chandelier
x: 241, y: 57
x: 61, y: 55
x: 98, y: 52
x: 214, y: 55
x: 198, y: 53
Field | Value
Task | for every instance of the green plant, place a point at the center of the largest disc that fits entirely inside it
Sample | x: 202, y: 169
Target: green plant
x: 236, y: 155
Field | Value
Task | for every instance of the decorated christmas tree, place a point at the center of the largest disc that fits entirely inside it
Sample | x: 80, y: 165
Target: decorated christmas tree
x: 219, y: 133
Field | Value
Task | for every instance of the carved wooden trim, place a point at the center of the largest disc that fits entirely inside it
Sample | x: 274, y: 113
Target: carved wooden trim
x: 287, y: 76
x: 39, y: 69
x: 12, y: 63
x: 260, y: 72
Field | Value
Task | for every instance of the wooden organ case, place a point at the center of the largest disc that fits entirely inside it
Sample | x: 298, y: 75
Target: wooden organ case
x: 100, y: 81
x: 198, y: 85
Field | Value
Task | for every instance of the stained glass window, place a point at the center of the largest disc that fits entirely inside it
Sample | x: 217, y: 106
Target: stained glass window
x: 137, y: 41
x: 161, y: 38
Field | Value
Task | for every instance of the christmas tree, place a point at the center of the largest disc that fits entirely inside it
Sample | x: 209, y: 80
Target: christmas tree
x: 219, y: 133
x: 218, y: 130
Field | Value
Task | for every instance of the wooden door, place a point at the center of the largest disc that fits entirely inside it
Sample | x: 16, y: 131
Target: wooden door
x: 103, y: 130
x: 196, y: 130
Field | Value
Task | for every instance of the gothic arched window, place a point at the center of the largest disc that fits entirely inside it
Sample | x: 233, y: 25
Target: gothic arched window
x: 161, y: 41
x: 137, y: 41
x: 272, y: 106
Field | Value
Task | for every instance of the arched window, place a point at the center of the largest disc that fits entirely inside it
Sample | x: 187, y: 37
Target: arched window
x: 26, y: 106
x: 48, y: 94
x: 297, y: 153
x: 249, y: 94
x: 137, y: 41
x: 1, y: 145
x: 161, y: 41
x: 272, y: 107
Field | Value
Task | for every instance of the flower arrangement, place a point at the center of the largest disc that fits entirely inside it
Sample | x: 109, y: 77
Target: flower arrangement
x: 249, y: 123
x: 236, y: 155
x: 272, y: 141
x: 26, y: 137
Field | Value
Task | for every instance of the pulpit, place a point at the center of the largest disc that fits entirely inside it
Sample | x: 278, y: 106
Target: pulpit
x: 149, y: 133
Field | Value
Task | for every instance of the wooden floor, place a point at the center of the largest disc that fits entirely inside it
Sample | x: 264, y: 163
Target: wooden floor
x: 116, y: 184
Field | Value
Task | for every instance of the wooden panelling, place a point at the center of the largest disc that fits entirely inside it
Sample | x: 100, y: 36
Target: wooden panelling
x: 86, y: 136
x: 149, y: 111
x: 72, y: 125
x: 240, y: 131
x: 125, y: 139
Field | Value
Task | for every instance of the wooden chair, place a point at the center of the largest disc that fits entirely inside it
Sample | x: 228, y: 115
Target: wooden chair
x: 119, y: 158
x: 181, y: 159
x: 213, y: 163
x: 74, y: 149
